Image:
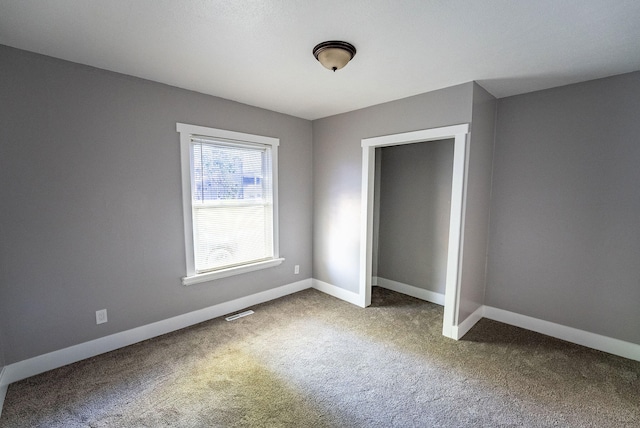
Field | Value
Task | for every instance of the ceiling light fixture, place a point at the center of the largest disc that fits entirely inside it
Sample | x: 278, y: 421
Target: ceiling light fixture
x: 334, y: 54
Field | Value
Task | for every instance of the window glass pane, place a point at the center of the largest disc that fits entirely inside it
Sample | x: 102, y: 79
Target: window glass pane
x: 232, y: 235
x: 232, y: 205
x: 227, y: 173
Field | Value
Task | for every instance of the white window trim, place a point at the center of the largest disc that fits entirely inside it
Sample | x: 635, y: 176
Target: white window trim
x: 186, y: 131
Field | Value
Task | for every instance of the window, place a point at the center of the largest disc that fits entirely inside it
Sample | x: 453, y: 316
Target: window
x: 229, y: 186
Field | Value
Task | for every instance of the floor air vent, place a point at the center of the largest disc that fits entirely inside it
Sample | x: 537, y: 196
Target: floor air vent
x: 240, y: 315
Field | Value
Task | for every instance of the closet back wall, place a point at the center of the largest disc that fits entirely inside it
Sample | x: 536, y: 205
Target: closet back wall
x: 415, y: 199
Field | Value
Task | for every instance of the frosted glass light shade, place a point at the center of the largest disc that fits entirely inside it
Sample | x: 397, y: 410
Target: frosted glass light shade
x: 334, y: 55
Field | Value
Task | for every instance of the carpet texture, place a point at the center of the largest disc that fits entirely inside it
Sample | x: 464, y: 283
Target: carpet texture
x: 309, y: 360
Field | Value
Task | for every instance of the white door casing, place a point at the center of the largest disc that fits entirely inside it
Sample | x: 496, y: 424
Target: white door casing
x: 460, y: 135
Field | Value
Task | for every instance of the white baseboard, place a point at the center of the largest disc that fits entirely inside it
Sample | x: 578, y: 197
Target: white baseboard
x: 33, y: 366
x: 570, y: 334
x: 3, y: 389
x: 410, y: 290
x: 337, y: 292
x: 461, y: 329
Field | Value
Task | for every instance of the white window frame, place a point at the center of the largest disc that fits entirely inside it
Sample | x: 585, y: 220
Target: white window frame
x: 186, y: 132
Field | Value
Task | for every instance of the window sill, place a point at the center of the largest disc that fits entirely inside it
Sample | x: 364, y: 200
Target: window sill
x: 223, y: 273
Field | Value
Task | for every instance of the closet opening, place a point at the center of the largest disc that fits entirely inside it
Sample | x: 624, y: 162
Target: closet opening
x: 412, y: 204
x: 441, y: 270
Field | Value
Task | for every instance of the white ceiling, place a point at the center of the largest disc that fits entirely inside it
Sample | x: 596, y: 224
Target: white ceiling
x: 258, y: 52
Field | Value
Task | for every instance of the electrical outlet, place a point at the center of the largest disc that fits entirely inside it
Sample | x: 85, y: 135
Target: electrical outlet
x: 101, y: 316
x: 296, y: 269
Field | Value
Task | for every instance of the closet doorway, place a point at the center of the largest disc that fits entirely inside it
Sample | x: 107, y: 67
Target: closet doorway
x: 459, y: 134
x: 411, y: 218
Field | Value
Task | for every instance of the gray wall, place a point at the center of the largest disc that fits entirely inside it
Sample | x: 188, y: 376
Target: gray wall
x: 92, y: 206
x: 565, y: 240
x: 2, y: 292
x: 337, y: 171
x: 476, y: 223
x: 2, y: 352
x: 376, y: 213
x: 415, y: 206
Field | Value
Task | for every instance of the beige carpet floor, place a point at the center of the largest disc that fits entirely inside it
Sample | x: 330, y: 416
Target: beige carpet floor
x: 309, y: 360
